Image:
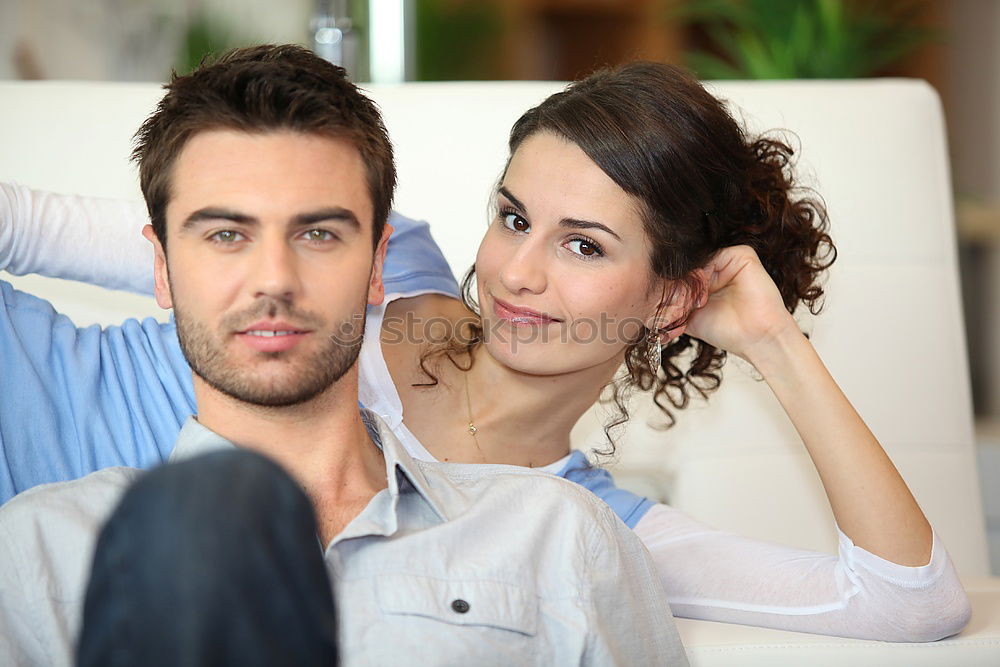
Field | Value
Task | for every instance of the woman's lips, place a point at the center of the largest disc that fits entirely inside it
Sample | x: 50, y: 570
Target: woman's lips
x: 518, y: 316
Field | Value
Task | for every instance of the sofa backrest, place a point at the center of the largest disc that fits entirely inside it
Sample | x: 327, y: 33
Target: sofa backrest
x: 891, y: 331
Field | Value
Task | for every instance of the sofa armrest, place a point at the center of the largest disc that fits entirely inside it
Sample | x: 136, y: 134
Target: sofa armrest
x: 726, y: 645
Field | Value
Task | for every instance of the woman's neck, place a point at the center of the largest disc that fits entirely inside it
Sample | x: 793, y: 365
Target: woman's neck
x: 520, y: 419
x: 525, y: 419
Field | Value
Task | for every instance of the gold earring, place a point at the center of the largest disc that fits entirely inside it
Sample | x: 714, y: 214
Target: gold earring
x: 654, y: 352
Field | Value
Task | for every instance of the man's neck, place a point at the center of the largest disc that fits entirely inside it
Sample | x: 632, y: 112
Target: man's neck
x: 322, y: 443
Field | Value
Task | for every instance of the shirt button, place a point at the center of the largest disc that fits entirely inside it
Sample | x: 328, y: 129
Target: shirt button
x: 459, y: 606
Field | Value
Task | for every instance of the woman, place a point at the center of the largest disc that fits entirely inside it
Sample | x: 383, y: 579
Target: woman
x: 634, y: 198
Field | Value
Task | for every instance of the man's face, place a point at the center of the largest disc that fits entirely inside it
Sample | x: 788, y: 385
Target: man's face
x: 270, y: 262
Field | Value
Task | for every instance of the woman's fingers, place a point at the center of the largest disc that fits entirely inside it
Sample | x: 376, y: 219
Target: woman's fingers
x: 727, y: 264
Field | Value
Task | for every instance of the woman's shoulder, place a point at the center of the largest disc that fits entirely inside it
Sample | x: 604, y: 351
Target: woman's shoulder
x: 630, y: 507
x: 431, y: 304
x: 413, y: 326
x: 426, y: 320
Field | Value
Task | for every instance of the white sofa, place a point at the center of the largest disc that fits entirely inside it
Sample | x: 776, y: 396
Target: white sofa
x: 891, y: 332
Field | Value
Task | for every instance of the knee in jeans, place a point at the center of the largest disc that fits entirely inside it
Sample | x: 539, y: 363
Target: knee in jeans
x: 222, y: 487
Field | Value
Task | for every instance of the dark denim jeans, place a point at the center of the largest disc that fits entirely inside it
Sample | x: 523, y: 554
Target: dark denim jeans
x: 211, y: 561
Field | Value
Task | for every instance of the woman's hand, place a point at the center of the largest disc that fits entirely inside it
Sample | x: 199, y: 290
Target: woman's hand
x: 741, y: 310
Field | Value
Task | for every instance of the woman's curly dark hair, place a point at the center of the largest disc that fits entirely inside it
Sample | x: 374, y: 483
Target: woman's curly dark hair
x: 702, y: 185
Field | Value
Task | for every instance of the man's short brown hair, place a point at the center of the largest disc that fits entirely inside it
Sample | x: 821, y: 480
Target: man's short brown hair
x: 261, y: 89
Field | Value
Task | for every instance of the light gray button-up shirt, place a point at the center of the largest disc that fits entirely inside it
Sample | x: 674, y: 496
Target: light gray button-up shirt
x: 451, y: 564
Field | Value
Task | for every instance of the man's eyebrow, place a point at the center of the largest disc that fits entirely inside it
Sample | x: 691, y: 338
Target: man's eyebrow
x: 336, y: 213
x: 572, y: 223
x: 215, y: 213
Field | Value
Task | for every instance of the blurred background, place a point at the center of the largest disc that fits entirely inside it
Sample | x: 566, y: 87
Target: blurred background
x: 953, y: 44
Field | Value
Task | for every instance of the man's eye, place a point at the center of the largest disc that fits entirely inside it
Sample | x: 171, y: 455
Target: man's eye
x: 318, y: 235
x: 226, y: 236
x: 514, y: 222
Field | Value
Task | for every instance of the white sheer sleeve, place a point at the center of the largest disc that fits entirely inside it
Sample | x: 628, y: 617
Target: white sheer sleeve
x: 89, y: 239
x: 712, y: 575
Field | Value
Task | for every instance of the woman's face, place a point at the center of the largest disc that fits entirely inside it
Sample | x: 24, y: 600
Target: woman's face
x: 564, y: 277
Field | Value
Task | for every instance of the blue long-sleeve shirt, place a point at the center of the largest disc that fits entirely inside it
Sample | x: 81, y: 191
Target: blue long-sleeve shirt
x: 74, y: 400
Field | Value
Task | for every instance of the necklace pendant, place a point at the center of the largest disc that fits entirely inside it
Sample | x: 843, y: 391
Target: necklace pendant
x: 472, y: 429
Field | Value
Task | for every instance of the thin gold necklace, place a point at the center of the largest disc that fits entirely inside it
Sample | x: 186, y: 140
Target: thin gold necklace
x: 468, y: 408
x: 471, y: 428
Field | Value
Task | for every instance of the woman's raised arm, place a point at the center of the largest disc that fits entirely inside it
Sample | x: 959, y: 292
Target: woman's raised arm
x: 99, y: 241
x: 744, y: 315
x: 90, y: 239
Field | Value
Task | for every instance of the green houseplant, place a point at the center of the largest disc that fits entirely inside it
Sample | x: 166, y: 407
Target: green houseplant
x: 802, y: 39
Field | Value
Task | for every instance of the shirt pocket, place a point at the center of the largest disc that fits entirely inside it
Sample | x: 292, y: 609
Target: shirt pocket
x: 491, y: 604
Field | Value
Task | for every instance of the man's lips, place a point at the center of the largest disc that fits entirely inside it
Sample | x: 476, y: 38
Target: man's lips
x: 518, y: 315
x: 272, y: 336
x: 271, y: 328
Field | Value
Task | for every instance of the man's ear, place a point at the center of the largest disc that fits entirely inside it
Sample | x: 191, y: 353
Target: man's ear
x: 680, y: 299
x: 376, y: 288
x: 161, y: 285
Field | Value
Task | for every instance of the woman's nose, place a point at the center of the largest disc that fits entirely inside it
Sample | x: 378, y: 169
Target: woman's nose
x: 525, y: 270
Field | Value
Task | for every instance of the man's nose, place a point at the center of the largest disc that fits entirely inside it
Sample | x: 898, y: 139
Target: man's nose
x: 275, y: 271
x: 525, y: 270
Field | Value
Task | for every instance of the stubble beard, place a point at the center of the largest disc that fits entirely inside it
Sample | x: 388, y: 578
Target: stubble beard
x: 305, y: 376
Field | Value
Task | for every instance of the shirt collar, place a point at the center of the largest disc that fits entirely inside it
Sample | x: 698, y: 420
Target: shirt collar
x: 195, y: 439
x: 399, y: 465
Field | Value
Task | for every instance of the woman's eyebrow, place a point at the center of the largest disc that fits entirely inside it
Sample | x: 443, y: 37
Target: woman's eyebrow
x: 513, y: 200
x: 574, y: 223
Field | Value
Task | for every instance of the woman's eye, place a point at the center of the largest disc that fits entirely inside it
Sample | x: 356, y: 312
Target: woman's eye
x: 226, y: 236
x: 585, y: 248
x: 514, y: 222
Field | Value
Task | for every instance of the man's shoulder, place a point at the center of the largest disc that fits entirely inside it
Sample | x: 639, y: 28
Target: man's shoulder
x: 58, y: 510
x: 47, y: 539
x: 50, y: 531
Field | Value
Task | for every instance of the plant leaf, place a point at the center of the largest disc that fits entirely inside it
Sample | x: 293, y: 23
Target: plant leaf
x: 709, y: 66
x: 807, y: 38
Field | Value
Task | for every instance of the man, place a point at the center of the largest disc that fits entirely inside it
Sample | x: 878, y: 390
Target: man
x: 90, y: 398
x: 268, y: 179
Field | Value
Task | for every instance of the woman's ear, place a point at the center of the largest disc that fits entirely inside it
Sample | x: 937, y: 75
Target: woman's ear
x: 680, y: 299
x: 161, y: 282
